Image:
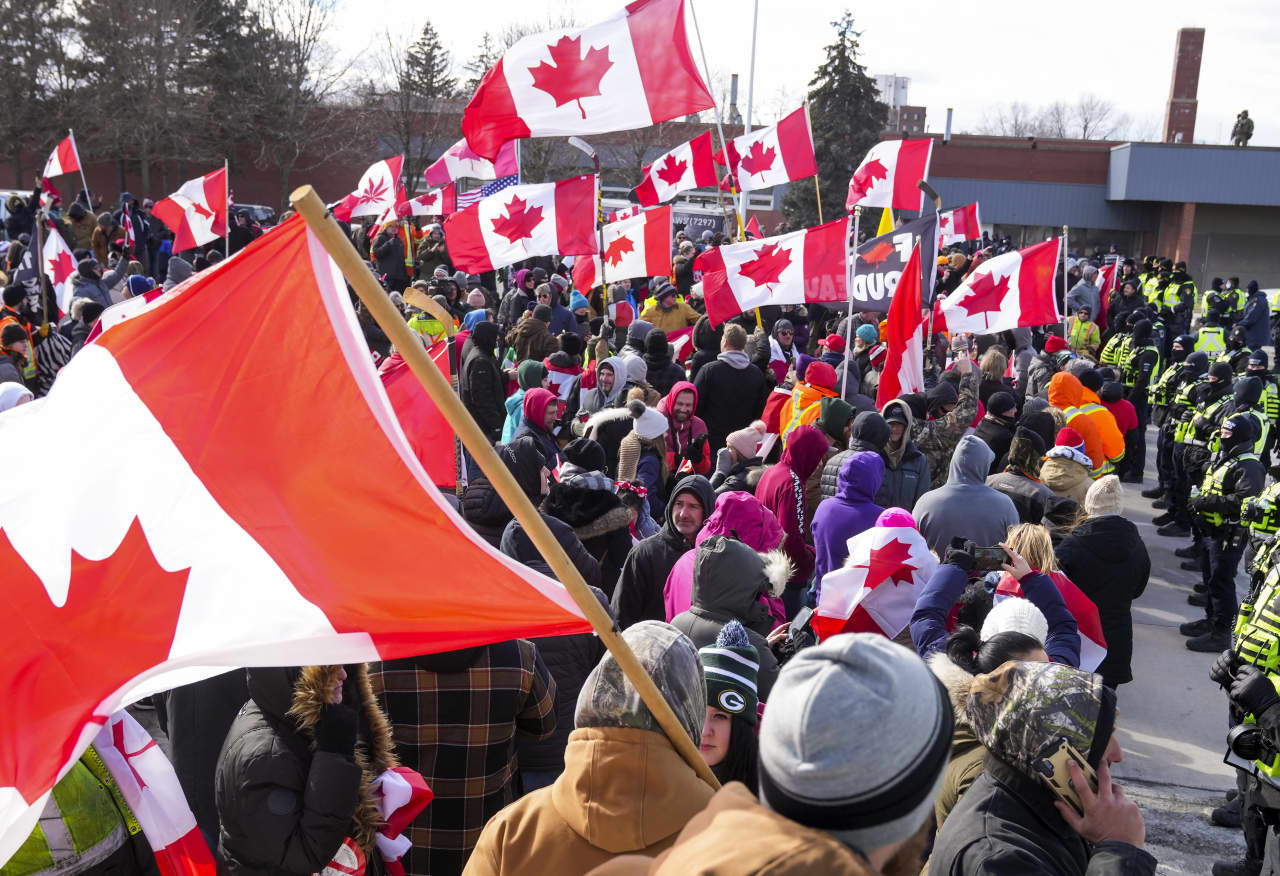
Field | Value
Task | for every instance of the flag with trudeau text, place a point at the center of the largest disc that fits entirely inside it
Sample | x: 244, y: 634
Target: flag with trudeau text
x: 63, y: 159
x: 556, y: 218
x: 795, y: 268
x: 635, y: 247
x: 1093, y: 643
x: 244, y: 530
x: 1006, y: 291
x: 461, y: 162
x: 630, y: 71
x: 875, y: 591
x: 904, y: 362
x: 959, y: 225
x: 888, y: 175
x: 379, y: 190
x: 688, y: 166
x: 769, y: 156
x: 60, y: 268
x: 197, y: 212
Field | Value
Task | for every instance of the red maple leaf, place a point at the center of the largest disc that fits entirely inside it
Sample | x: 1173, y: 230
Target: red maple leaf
x: 672, y: 171
x: 613, y: 252
x: 865, y: 178
x: 62, y: 267
x: 758, y: 159
x: 944, y: 221
x: 889, y: 563
x: 428, y: 198
x: 117, y: 622
x: 519, y: 221
x: 985, y: 295
x: 767, y: 266
x: 201, y: 210
x: 573, y: 77
x: 877, y: 253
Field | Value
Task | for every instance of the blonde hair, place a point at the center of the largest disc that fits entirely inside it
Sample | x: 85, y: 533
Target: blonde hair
x: 1032, y: 541
x: 993, y: 364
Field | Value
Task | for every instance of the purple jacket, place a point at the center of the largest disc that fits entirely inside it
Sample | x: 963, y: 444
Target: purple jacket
x: 850, y: 511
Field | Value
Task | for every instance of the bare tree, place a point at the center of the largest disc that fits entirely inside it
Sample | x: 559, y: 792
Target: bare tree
x: 1054, y: 121
x: 37, y: 30
x: 1096, y: 118
x: 1014, y: 119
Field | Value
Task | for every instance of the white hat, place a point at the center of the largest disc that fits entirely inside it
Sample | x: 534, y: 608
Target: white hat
x: 649, y: 424
x: 1103, y: 496
x: 1015, y: 615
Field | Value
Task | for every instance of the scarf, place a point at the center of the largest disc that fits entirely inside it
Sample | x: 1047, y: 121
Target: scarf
x: 1076, y: 453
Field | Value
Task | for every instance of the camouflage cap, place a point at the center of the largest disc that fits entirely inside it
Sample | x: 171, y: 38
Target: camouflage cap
x: 1018, y: 709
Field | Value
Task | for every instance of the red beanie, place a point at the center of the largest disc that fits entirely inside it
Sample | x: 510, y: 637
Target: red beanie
x: 1054, y: 344
x: 1068, y: 437
x: 820, y: 373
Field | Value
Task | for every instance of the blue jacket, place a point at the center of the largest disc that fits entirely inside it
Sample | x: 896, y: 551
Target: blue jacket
x: 850, y: 511
x: 515, y: 416
x: 1256, y: 321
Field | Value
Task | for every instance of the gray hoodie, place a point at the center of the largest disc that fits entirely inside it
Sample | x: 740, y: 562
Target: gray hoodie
x: 965, y: 506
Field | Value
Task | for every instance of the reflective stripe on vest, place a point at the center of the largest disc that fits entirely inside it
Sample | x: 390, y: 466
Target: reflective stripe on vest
x: 79, y: 828
x: 1212, y: 486
x: 1211, y: 339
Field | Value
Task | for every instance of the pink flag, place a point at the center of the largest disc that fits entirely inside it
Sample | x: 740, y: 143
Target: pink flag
x: 769, y: 156
x: 197, y: 212
x: 802, y: 266
x: 875, y: 592
x: 379, y: 190
x: 688, y: 166
x: 63, y: 159
x: 959, y: 225
x: 635, y: 247
x: 904, y: 362
x: 888, y: 175
x: 631, y: 70
x: 1007, y: 291
x: 460, y: 162
x: 521, y: 221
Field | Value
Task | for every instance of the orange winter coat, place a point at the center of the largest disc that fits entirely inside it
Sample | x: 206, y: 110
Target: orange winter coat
x: 1065, y: 391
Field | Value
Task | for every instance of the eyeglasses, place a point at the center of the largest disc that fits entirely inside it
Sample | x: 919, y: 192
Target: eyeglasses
x: 784, y: 333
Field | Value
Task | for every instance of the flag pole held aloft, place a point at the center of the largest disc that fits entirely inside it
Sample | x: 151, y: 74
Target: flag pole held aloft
x: 326, y: 230
x: 853, y: 274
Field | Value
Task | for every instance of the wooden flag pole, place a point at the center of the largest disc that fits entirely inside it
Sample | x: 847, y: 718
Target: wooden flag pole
x: 312, y: 210
x: 818, y: 191
x: 84, y: 182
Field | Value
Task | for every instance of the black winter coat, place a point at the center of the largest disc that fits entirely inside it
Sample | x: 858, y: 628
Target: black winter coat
x: 742, y: 478
x: 516, y: 544
x: 483, y: 508
x: 1106, y: 558
x: 483, y: 390
x: 998, y: 436
x: 388, y: 257
x: 729, y: 398
x: 600, y: 522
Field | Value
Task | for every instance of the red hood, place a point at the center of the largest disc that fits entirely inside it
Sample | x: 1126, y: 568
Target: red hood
x: 805, y: 446
x: 535, y: 405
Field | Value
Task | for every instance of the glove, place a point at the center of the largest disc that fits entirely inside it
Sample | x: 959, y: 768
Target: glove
x: 1249, y: 510
x: 697, y: 450
x: 1193, y: 504
x: 961, y: 554
x: 724, y: 460
x: 336, y: 730
x: 1223, y: 670
x: 1253, y: 691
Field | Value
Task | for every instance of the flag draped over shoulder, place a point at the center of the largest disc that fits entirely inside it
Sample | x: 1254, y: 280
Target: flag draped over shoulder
x: 265, y: 508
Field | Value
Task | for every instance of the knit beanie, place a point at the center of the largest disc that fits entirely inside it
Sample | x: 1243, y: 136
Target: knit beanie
x: 1001, y: 404
x: 530, y: 373
x: 586, y: 454
x: 1054, y: 344
x: 475, y: 298
x: 803, y: 361
x: 571, y: 343
x: 1103, y: 497
x: 783, y: 325
x: 649, y: 424
x: 1068, y: 437
x: 1090, y: 378
x: 1015, y: 615
x: 559, y: 282
x: 577, y: 301
x: 730, y: 667
x: 542, y: 312
x: 868, y: 334
x: 855, y: 740
x: 890, y: 517
x: 637, y: 331
x: 747, y: 441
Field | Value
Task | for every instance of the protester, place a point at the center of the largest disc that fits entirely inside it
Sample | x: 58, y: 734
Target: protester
x: 666, y: 312
x: 996, y: 428
x: 965, y: 507
x: 730, y: 390
x: 663, y: 372
x: 611, y: 374
x: 781, y: 490
x: 686, y: 435
x: 642, y: 452
x: 738, y: 463
x: 532, y: 337
x: 1066, y: 467
x: 586, y: 499
x: 950, y: 410
x: 731, y: 666
x: 529, y: 375
x: 850, y: 511
x: 480, y: 384
x: 1020, y: 479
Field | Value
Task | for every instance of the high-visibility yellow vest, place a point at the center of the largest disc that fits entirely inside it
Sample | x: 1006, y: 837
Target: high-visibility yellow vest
x: 1256, y: 641
x: 1158, y: 391
x: 1082, y: 334
x: 1213, y: 483
x: 1211, y: 339
x: 1129, y: 368
x: 79, y: 827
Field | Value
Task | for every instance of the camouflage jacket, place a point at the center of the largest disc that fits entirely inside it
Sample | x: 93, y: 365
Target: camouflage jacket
x: 937, y: 439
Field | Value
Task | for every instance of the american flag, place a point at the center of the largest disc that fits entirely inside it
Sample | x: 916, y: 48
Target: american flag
x: 466, y: 199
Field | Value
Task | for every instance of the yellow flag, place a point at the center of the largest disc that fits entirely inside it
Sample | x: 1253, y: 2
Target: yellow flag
x: 886, y: 222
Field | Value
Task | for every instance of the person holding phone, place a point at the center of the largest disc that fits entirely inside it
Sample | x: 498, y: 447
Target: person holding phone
x: 1038, y: 722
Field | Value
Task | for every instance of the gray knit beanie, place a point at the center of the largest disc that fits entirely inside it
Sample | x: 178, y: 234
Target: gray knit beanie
x: 855, y: 741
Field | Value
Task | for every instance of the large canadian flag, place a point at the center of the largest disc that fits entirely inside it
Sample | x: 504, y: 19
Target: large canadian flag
x: 888, y: 175
x: 795, y: 268
x: 959, y: 225
x: 904, y: 361
x: 1093, y: 643
x: 556, y: 218
x: 685, y: 167
x: 63, y: 159
x: 379, y: 190
x: 197, y: 212
x: 1007, y: 291
x: 635, y: 247
x: 240, y: 529
x: 875, y: 591
x: 60, y: 268
x: 630, y: 71
x: 773, y: 155
x: 460, y: 162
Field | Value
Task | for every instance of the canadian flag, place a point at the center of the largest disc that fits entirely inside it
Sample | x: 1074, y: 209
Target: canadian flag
x: 635, y: 247
x: 378, y: 191
x: 197, y: 212
x: 1006, y: 291
x: 685, y: 167
x: 60, y: 268
x: 427, y: 430
x: 1093, y: 644
x: 795, y: 268
x: 217, y: 545
x: 959, y: 225
x: 433, y: 202
x: 888, y: 175
x: 556, y: 218
x: 624, y: 213
x: 630, y: 71
x: 875, y: 591
x: 904, y: 362
x: 460, y: 162
x: 63, y: 159
x: 773, y: 155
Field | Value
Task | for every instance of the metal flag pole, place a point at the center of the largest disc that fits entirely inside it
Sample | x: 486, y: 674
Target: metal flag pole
x: 848, y: 323
x: 84, y: 182
x: 751, y: 87
x: 226, y: 203
x: 928, y: 192
x: 1064, y: 281
x: 706, y: 71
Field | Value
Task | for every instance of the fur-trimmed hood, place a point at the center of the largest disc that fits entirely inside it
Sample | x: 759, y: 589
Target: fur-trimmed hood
x: 956, y: 681
x: 590, y: 512
x: 729, y: 577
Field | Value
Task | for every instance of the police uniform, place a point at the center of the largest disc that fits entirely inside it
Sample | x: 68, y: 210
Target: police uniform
x: 1141, y: 363
x: 1160, y: 397
x: 1198, y: 408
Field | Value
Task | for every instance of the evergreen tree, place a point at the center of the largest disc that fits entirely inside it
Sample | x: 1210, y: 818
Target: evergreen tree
x: 487, y: 55
x: 847, y: 118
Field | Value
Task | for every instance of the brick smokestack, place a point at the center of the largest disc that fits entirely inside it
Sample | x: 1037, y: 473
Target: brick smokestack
x: 1180, y: 113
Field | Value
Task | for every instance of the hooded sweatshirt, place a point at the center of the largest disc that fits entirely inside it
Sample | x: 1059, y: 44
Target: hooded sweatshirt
x: 1065, y: 394
x: 781, y: 490
x: 685, y: 440
x: 965, y: 506
x: 595, y: 400
x: 535, y: 404
x: 850, y: 511
x: 529, y: 375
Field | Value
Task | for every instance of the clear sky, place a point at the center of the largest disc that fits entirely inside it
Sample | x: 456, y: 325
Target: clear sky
x: 1034, y: 53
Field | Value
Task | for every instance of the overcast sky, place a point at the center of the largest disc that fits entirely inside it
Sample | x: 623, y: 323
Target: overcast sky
x: 1036, y: 53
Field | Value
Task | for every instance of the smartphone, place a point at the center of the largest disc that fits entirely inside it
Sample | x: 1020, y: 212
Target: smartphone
x: 990, y: 558
x: 1052, y: 767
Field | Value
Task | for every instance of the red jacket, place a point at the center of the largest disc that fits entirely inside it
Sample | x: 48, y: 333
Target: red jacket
x: 681, y: 437
x: 784, y: 496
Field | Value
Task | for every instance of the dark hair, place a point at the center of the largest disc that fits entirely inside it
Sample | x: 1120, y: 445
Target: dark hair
x: 739, y: 764
x: 967, y: 650
x: 975, y: 605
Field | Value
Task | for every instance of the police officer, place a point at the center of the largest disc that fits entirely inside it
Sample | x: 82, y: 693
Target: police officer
x: 1197, y: 424
x: 1216, y: 296
x: 1212, y: 336
x: 1236, y: 298
x: 1160, y: 397
x: 1257, y: 367
x: 1141, y: 363
x: 1234, y: 475
x: 1237, y: 352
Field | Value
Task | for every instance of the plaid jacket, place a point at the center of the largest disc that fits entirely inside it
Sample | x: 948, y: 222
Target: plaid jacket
x: 458, y: 728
